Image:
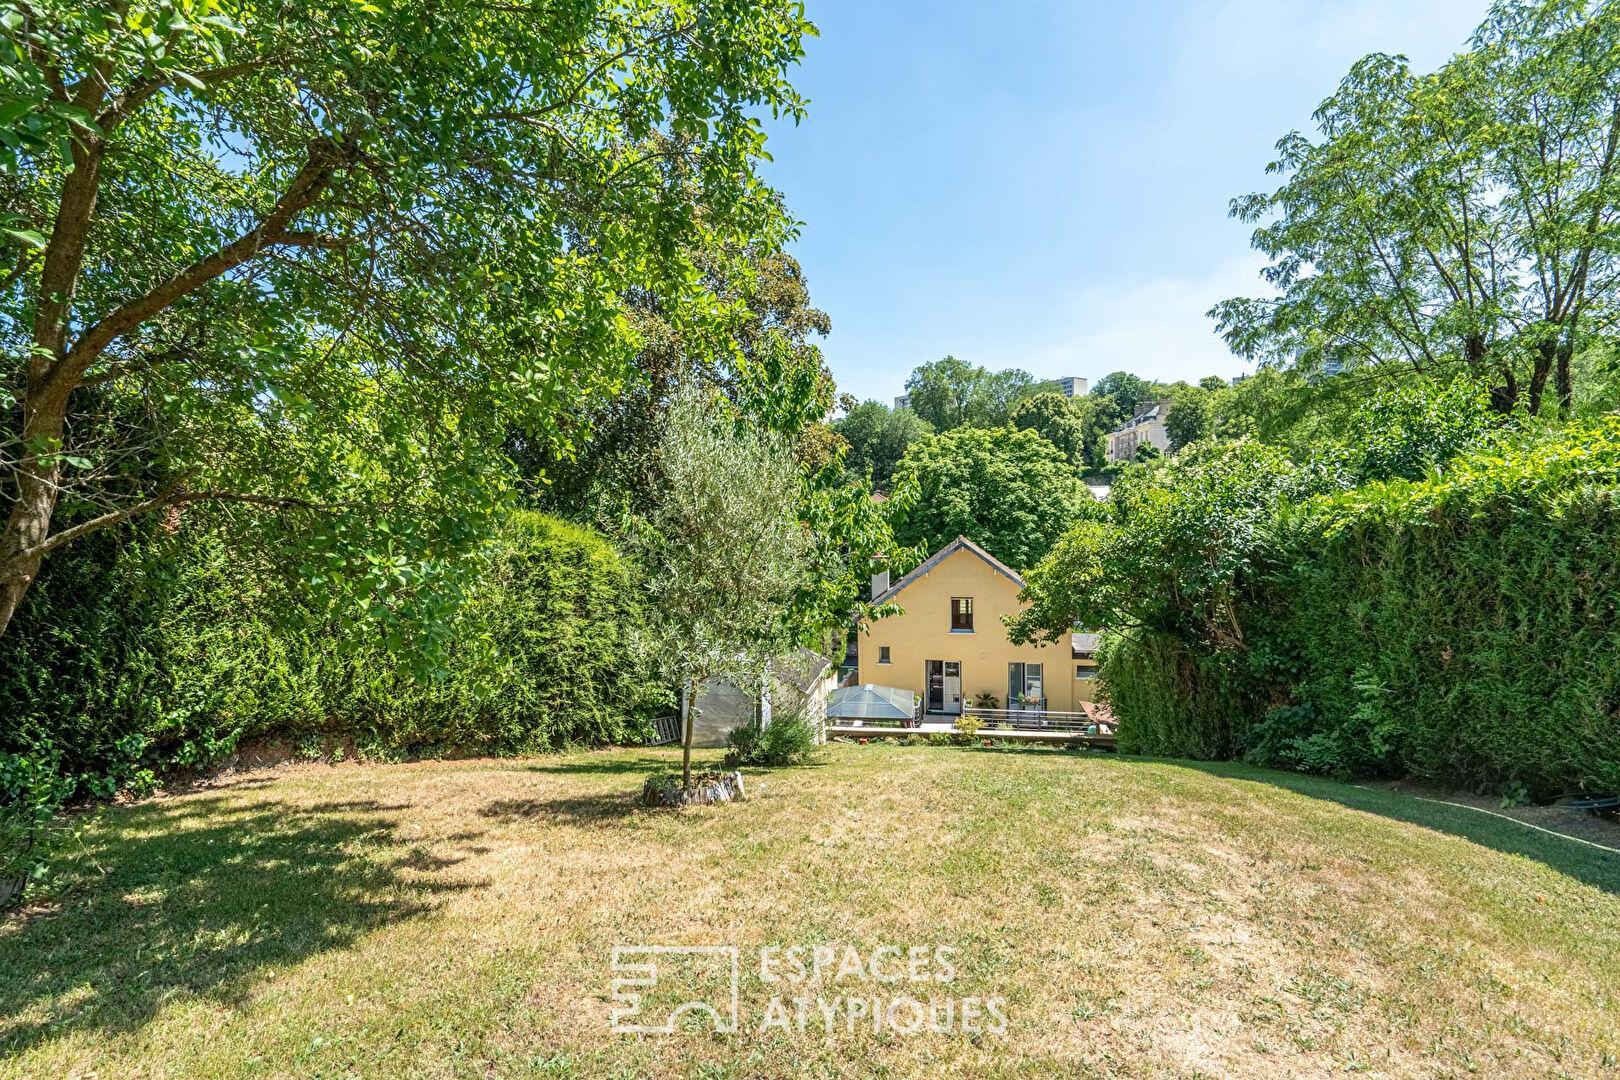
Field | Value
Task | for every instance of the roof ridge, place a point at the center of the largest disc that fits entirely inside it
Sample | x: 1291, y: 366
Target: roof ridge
x: 960, y: 543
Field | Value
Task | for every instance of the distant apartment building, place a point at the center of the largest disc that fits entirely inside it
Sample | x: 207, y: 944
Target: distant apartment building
x: 903, y: 401
x: 1146, y: 425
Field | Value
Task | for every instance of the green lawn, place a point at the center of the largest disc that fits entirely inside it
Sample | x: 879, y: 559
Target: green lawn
x: 1138, y: 918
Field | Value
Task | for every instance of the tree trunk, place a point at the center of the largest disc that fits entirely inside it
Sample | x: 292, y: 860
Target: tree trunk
x: 1545, y: 352
x: 44, y: 407
x: 54, y: 370
x: 691, y: 726
x: 1506, y: 396
x: 1562, y: 381
x: 30, y: 520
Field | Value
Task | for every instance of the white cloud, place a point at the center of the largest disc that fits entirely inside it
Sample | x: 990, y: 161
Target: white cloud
x: 1155, y: 328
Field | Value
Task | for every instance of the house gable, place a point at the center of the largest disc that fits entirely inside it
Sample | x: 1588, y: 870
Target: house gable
x: 961, y: 543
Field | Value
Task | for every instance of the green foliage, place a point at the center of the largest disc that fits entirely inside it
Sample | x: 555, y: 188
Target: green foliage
x: 952, y: 393
x: 1459, y: 628
x: 789, y: 739
x: 355, y: 292
x: 1124, y: 390
x: 1174, y: 552
x: 850, y: 534
x: 1192, y: 417
x: 967, y: 727
x: 1462, y: 629
x: 1009, y: 491
x: 1172, y: 700
x: 1404, y: 430
x: 1060, y: 420
x: 1450, y: 222
x: 878, y: 438
x: 723, y: 551
x: 543, y: 658
x: 166, y: 652
x: 1294, y: 737
x: 32, y: 792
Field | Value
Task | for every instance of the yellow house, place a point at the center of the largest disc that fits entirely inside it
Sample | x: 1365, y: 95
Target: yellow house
x: 951, y: 647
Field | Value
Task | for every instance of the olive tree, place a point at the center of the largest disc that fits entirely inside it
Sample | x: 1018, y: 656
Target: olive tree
x: 722, y: 550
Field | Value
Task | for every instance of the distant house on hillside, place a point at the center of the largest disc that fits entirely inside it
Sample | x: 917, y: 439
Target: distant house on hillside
x: 950, y: 646
x: 1146, y: 425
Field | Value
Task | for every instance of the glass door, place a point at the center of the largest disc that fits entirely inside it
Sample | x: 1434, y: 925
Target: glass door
x: 945, y: 687
x: 1024, y: 686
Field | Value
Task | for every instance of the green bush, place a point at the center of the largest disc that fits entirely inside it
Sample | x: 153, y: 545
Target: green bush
x: 545, y: 661
x: 790, y: 739
x: 32, y: 791
x: 1463, y: 627
x: 139, y: 654
x: 1172, y: 700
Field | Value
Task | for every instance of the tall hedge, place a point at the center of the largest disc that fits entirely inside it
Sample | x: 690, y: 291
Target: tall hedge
x: 1462, y: 628
x: 147, y: 652
x: 547, y: 660
x: 1467, y: 629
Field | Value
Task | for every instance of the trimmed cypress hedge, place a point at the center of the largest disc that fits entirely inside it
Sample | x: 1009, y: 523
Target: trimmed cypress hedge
x: 1467, y: 629
x: 1463, y: 628
x: 133, y: 655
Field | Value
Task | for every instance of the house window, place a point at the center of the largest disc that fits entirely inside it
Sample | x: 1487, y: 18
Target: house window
x: 1081, y: 671
x: 883, y: 654
x: 961, y: 614
x: 1023, y: 682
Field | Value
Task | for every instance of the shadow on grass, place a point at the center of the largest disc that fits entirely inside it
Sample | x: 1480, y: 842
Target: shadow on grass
x: 202, y: 897
x: 1581, y: 861
x: 617, y: 765
x: 584, y: 810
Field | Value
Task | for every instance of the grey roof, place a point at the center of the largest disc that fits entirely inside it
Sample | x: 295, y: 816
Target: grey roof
x: 1084, y: 643
x: 959, y: 544
x: 871, y: 702
x: 803, y: 668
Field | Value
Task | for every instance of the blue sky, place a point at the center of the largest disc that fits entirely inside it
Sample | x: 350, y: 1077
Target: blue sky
x: 1039, y: 184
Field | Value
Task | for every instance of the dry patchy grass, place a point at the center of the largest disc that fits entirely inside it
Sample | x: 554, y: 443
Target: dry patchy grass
x: 1141, y: 919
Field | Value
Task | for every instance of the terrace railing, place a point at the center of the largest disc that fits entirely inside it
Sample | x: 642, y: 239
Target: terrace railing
x: 1038, y: 718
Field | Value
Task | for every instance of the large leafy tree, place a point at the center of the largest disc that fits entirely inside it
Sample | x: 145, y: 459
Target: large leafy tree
x: 1171, y: 552
x: 1009, y: 491
x: 1123, y: 391
x: 762, y: 355
x: 1060, y: 420
x: 878, y: 438
x: 1459, y: 220
x: 321, y: 259
x: 951, y: 393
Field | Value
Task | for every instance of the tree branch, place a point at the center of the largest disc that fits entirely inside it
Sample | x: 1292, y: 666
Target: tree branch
x: 306, y: 187
x: 124, y: 105
x: 171, y: 494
